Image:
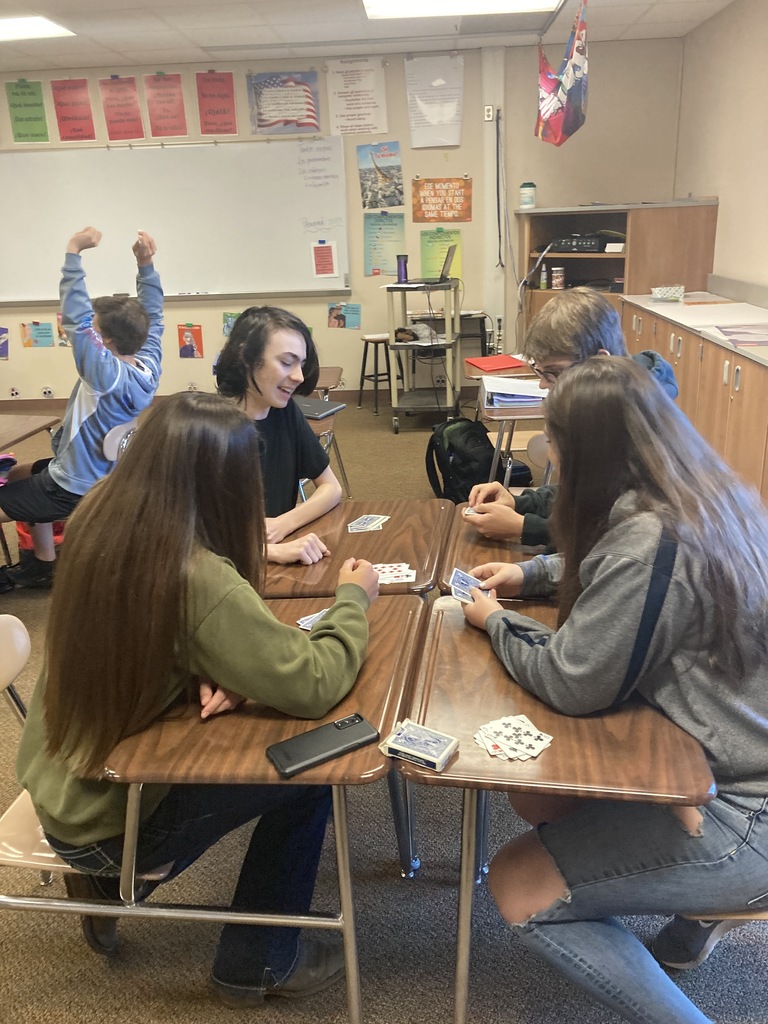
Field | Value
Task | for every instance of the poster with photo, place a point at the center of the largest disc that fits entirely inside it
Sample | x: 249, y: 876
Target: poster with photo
x: 37, y: 335
x: 190, y: 341
x: 381, y: 175
x: 284, y: 103
x: 3, y: 342
x: 345, y: 314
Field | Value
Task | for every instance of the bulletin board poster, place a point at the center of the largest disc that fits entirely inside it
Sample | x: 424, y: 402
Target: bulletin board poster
x: 74, y: 114
x: 441, y: 200
x: 3, y: 342
x: 381, y: 175
x: 27, y: 111
x: 37, y: 335
x: 216, y: 102
x: 284, y: 103
x: 345, y: 314
x: 383, y: 239
x: 165, y: 105
x: 228, y: 322
x: 120, y: 102
x: 434, y: 245
x: 190, y: 341
x: 357, y: 98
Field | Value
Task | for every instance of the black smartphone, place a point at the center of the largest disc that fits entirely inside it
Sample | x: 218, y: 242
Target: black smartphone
x: 321, y: 744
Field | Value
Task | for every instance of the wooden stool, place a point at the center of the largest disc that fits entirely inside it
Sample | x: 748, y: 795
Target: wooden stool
x: 376, y: 340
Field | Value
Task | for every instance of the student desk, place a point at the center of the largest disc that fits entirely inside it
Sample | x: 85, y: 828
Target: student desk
x: 627, y: 753
x: 230, y: 748
x: 416, y: 533
x: 466, y: 548
x: 15, y: 429
x: 506, y: 418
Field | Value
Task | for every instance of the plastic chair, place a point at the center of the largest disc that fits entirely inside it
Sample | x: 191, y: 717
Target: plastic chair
x: 329, y: 378
x: 323, y: 430
x: 117, y: 440
x: 22, y: 841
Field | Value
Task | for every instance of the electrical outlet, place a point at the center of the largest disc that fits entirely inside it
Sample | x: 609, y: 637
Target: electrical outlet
x: 488, y: 112
x: 191, y: 386
x: 440, y: 382
x: 47, y: 392
x: 14, y: 392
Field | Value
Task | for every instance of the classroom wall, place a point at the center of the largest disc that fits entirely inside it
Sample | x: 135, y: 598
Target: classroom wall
x: 723, y: 136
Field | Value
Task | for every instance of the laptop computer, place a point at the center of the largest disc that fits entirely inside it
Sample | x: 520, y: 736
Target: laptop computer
x: 445, y: 273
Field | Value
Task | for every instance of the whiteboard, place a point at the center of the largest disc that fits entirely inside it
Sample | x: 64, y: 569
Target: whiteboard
x: 228, y: 218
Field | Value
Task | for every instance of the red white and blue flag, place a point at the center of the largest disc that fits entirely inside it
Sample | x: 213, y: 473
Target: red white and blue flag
x: 284, y: 103
x: 563, y: 96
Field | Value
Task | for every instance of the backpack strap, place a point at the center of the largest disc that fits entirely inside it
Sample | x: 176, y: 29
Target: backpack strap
x: 431, y: 466
x: 661, y: 573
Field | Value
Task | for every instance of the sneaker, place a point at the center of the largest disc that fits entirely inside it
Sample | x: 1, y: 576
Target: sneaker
x: 34, y: 573
x: 319, y: 964
x: 6, y: 584
x: 7, y: 462
x: 683, y: 943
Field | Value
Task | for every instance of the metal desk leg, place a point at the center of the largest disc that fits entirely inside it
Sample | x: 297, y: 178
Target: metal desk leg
x: 504, y: 425
x: 347, y: 911
x: 466, y: 895
x: 481, y: 836
x: 401, y: 798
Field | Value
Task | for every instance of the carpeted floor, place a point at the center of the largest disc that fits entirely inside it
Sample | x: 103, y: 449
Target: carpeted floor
x: 406, y: 928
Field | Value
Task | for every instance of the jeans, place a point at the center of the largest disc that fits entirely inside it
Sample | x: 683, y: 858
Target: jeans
x: 621, y: 858
x: 277, y: 875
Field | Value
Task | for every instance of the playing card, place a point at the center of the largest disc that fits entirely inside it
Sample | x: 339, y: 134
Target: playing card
x: 463, y: 581
x: 462, y: 595
x: 469, y: 511
x: 513, y: 737
x: 364, y: 524
x: 389, y: 567
x: 407, y: 576
x: 308, y: 621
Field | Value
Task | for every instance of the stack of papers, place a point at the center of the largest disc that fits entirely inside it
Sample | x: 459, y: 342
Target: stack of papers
x: 506, y: 391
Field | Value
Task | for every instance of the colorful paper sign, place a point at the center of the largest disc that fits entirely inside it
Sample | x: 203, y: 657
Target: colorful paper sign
x: 216, y: 103
x: 383, y: 239
x: 381, y: 175
x: 345, y: 314
x: 3, y: 342
x: 284, y: 102
x: 27, y: 111
x: 37, y: 335
x: 190, y: 341
x: 441, y: 199
x: 324, y: 259
x: 74, y: 114
x: 120, y: 102
x: 165, y: 104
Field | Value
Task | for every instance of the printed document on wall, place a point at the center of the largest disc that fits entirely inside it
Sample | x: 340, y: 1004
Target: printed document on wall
x: 435, y: 87
x: 357, y: 99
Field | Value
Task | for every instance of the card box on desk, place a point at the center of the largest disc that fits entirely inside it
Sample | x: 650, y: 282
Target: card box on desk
x: 499, y: 392
x: 413, y: 742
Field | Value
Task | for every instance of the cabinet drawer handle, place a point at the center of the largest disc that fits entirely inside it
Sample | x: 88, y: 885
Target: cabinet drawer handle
x: 672, y: 342
x: 737, y: 378
x: 679, y: 346
x: 726, y: 370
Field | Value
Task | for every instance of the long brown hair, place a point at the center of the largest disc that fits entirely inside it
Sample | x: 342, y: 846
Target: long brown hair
x: 189, y: 480
x: 615, y: 430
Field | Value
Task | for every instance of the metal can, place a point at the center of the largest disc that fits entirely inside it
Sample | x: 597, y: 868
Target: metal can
x: 558, y: 278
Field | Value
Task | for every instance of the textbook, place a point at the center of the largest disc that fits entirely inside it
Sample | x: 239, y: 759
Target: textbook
x: 492, y: 364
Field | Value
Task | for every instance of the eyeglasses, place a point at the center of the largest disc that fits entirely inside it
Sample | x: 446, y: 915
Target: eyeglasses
x: 550, y: 376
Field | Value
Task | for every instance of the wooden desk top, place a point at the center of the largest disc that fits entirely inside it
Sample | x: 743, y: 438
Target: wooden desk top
x: 630, y: 753
x: 416, y: 533
x: 14, y: 429
x: 466, y: 548
x: 230, y: 747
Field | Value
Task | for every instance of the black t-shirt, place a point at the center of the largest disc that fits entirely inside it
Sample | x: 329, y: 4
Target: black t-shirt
x: 290, y: 452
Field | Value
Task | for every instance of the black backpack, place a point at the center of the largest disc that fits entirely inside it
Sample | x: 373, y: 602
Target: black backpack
x: 462, y: 452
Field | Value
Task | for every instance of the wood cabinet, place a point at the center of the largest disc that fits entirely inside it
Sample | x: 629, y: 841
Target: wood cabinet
x: 665, y: 243
x: 722, y: 392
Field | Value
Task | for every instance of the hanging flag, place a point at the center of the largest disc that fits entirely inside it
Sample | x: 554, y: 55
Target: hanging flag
x: 563, y: 96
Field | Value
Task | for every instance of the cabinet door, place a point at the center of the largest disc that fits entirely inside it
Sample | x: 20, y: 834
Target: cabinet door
x: 640, y: 328
x: 711, y: 418
x: 747, y: 419
x: 684, y: 352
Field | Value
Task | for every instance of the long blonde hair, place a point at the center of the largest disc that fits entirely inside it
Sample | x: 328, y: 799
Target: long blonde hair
x: 189, y: 480
x: 615, y: 431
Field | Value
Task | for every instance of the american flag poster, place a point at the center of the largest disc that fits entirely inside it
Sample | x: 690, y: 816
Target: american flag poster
x: 563, y: 96
x: 284, y: 103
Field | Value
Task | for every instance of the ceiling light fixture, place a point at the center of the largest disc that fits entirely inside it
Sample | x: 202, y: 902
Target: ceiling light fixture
x: 453, y: 8
x: 30, y: 28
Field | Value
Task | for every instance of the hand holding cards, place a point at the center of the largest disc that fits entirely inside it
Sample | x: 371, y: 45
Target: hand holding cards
x: 460, y: 585
x: 512, y: 738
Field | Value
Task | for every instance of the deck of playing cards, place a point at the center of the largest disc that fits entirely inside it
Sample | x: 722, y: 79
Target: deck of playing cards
x: 395, y: 572
x: 460, y: 583
x: 308, y: 621
x: 417, y: 743
x: 365, y: 524
x: 514, y: 738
